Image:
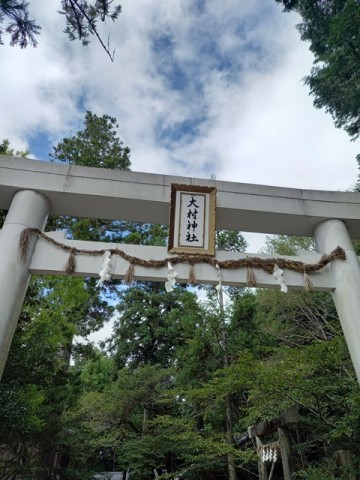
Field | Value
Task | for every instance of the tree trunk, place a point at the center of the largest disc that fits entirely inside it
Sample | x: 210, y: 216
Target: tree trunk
x: 49, y: 451
x: 285, y: 447
x: 344, y: 459
x: 145, y: 419
x: 47, y: 462
x: 230, y: 438
x: 229, y: 415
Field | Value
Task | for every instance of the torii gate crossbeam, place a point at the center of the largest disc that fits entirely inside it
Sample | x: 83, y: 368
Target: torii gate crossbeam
x: 31, y: 190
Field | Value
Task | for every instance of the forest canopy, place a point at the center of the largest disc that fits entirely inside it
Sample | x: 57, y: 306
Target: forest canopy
x: 175, y: 387
x: 181, y: 377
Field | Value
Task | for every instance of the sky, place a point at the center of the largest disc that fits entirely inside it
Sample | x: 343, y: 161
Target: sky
x: 200, y: 88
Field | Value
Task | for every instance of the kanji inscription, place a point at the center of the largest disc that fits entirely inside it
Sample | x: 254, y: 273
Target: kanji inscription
x: 192, y: 219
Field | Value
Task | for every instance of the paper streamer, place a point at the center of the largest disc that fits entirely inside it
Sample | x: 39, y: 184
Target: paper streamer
x: 219, y: 285
x: 269, y: 454
x: 279, y: 276
x: 105, y: 272
x: 172, y: 274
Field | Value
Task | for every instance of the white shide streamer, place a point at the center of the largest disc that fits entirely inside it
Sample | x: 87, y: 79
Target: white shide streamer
x: 219, y: 285
x: 105, y: 272
x: 279, y: 276
x: 172, y: 274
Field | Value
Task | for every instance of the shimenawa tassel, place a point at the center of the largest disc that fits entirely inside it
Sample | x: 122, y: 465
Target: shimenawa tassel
x: 129, y: 276
x: 192, y: 278
x: 251, y: 279
x: 71, y: 263
x: 25, y: 236
x: 308, y: 282
x: 339, y: 254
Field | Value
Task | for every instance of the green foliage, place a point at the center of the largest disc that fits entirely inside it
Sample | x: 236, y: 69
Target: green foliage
x: 56, y: 310
x: 120, y: 415
x: 181, y: 378
x: 284, y: 245
x: 231, y: 241
x: 15, y: 21
x: 152, y: 324
x: 20, y: 409
x: 37, y: 385
x: 145, y: 234
x: 81, y: 18
x: 97, y: 145
x: 314, y: 473
x: 244, y: 330
x: 297, y: 318
x: 97, y: 372
x: 6, y: 150
x: 332, y: 28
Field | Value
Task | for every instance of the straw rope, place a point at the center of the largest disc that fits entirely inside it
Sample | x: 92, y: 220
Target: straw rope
x: 250, y: 263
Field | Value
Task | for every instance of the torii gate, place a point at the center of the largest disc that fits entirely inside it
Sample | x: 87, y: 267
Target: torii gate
x: 31, y: 190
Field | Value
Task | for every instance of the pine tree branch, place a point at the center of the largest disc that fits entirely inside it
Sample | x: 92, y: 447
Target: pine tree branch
x: 92, y: 24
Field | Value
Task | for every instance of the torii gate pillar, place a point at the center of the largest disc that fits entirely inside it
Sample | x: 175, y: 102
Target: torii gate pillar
x: 346, y: 275
x: 28, y: 209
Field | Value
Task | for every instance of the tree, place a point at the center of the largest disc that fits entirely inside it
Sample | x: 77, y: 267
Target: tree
x: 332, y: 28
x: 319, y: 378
x: 152, y: 325
x: 224, y: 338
x: 285, y: 245
x: 303, y: 335
x: 6, y: 150
x: 235, y: 242
x: 81, y: 18
x: 38, y: 372
x: 19, y: 26
x: 230, y: 241
x: 96, y: 145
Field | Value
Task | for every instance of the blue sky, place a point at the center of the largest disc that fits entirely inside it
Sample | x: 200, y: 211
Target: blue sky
x: 199, y: 88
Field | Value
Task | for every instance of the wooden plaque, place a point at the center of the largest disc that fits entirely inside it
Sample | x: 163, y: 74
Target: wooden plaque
x: 192, y: 220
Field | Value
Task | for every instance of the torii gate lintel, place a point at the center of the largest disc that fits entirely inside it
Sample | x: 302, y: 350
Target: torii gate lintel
x: 35, y: 189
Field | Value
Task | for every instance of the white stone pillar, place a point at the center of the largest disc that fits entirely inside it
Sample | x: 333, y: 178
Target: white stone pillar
x: 28, y: 209
x: 329, y: 235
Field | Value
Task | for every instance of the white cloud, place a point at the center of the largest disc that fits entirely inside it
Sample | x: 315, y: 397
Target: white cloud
x: 242, y: 63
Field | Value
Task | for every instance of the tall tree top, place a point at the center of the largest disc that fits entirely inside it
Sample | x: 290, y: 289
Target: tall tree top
x: 332, y: 28
x: 97, y: 145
